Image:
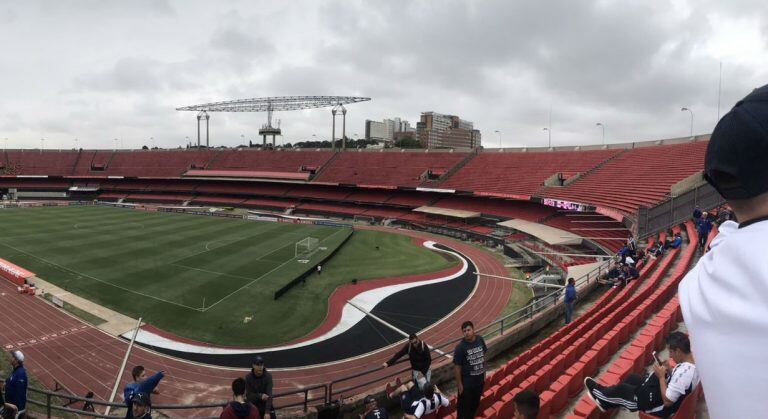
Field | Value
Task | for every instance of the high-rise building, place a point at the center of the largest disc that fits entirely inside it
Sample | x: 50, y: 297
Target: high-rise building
x: 386, y: 129
x: 436, y: 130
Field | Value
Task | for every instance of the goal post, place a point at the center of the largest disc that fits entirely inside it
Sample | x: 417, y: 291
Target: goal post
x: 306, y: 247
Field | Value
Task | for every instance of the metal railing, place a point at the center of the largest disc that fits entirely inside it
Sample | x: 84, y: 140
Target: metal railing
x: 675, y: 210
x: 302, y: 396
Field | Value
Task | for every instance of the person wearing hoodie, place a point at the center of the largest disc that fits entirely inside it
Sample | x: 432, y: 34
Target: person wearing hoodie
x: 258, y: 388
x: 140, y: 384
x: 239, y: 408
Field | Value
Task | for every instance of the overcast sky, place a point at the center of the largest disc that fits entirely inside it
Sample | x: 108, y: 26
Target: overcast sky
x: 99, y: 70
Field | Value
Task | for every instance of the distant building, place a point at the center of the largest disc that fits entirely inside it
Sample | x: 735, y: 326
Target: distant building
x: 436, y: 130
x: 386, y: 129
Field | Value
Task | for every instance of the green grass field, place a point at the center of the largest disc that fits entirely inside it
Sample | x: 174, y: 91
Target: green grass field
x: 199, y: 277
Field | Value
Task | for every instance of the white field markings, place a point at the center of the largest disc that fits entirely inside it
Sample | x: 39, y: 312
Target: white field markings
x: 264, y: 275
x: 207, y: 247
x: 74, y: 272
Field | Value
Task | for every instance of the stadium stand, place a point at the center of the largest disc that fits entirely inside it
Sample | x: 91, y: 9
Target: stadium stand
x: 492, y: 173
x: 629, y: 321
x: 155, y: 164
x: 641, y: 176
x: 269, y: 161
x: 387, y: 168
x: 35, y: 162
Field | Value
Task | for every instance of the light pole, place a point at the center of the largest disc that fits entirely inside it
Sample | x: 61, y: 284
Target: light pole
x: 75, y: 144
x: 42, y: 144
x: 498, y: 132
x: 600, y: 124
x: 152, y: 139
x: 5, y: 144
x: 187, y: 138
x: 115, y: 140
x: 686, y: 109
x: 549, y: 136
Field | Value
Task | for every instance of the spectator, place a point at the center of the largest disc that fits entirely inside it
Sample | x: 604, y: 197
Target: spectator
x: 141, y: 407
x: 258, y: 388
x: 421, y: 359
x: 659, y: 393
x: 469, y: 371
x: 239, y: 407
x: 526, y: 405
x: 140, y: 384
x: 676, y: 241
x: 7, y: 410
x: 319, y: 269
x: 570, y: 299
x: 416, y: 403
x: 696, y: 214
x: 657, y: 250
x: 628, y: 273
x: 632, y: 245
x: 703, y: 227
x: 16, y: 385
x: 88, y: 404
x: 372, y: 409
x: 723, y: 298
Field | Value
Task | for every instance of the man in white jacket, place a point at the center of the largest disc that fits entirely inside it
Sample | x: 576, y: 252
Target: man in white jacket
x: 724, y: 298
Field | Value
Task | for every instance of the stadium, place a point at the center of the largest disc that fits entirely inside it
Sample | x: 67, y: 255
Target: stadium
x: 217, y: 251
x: 371, y: 210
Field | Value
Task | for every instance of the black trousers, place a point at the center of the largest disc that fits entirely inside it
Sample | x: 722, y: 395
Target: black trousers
x: 468, y: 402
x: 620, y: 395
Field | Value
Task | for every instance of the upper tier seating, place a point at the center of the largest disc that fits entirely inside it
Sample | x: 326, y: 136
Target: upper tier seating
x: 34, y: 162
x: 268, y: 160
x: 386, y: 168
x: 521, y: 173
x: 641, y: 176
x: 155, y: 163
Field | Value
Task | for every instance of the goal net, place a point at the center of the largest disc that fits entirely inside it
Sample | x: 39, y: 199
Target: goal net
x: 305, y: 248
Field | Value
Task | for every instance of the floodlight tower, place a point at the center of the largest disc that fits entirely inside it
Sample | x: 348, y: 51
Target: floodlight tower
x: 203, y: 115
x: 268, y: 129
x: 334, y: 111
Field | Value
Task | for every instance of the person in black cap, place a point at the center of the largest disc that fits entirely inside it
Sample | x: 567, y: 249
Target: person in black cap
x: 372, y: 409
x: 141, y: 406
x: 258, y: 388
x: 723, y: 298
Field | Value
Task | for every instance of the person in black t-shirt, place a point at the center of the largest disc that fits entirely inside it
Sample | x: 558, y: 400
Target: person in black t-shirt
x: 372, y: 409
x: 469, y: 370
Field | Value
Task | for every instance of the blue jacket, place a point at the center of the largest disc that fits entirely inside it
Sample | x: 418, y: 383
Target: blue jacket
x: 16, y: 388
x: 570, y: 293
x: 146, y: 386
x: 704, y: 226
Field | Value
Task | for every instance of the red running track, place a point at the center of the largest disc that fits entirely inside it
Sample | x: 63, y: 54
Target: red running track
x: 60, y: 348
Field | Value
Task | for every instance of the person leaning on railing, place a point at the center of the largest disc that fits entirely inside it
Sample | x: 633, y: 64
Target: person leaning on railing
x: 421, y: 359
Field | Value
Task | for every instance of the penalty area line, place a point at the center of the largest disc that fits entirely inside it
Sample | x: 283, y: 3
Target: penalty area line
x: 262, y: 276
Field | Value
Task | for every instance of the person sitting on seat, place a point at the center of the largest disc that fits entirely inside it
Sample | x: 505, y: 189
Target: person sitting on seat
x: 659, y: 393
x: 417, y: 403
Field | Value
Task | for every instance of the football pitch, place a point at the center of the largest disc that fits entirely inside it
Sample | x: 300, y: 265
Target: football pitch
x: 200, y: 277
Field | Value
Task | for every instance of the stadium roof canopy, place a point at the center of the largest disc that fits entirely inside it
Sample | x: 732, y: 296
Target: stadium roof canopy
x: 448, y: 212
x: 275, y: 103
x: 550, y: 235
